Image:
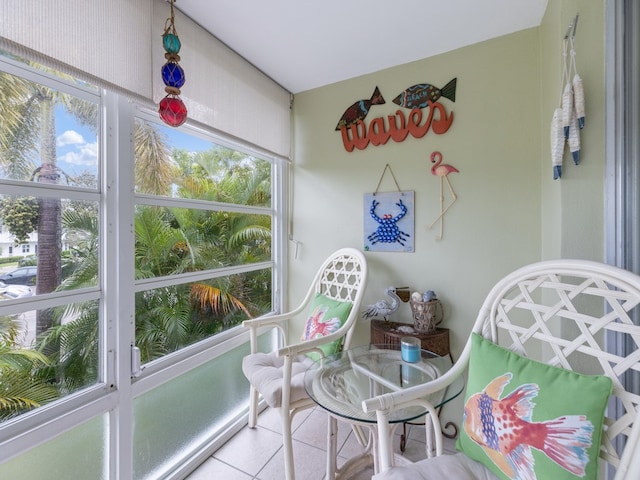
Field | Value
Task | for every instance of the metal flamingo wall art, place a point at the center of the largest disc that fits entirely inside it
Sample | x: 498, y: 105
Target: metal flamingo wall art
x: 442, y: 170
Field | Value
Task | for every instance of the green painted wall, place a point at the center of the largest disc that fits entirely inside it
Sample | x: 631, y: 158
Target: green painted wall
x: 494, y: 226
x: 509, y: 212
x: 573, y: 208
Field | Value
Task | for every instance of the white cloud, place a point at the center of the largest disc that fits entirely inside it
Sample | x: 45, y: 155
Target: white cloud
x: 86, y: 154
x: 70, y: 137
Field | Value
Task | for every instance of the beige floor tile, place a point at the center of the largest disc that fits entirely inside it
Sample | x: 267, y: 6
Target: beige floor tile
x: 250, y: 449
x: 214, y: 469
x: 257, y: 453
x: 270, y: 418
x: 351, y: 447
x: 314, y: 430
x: 363, y: 475
x: 309, y: 464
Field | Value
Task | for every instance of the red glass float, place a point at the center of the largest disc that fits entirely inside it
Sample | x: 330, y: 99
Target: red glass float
x: 172, y: 111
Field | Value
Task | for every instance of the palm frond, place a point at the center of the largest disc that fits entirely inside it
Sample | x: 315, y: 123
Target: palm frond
x: 19, y: 391
x: 212, y: 298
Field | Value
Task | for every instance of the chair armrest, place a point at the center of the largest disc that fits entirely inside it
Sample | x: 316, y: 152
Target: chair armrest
x: 411, y: 395
x: 313, y: 344
x: 306, y: 346
x: 274, y: 321
x: 268, y: 320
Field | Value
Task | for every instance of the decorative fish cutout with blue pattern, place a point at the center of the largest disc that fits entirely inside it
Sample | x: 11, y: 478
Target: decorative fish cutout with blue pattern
x: 419, y: 96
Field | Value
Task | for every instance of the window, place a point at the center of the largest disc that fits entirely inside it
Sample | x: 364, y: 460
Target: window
x: 179, y: 231
x: 204, y: 229
x: 48, y: 190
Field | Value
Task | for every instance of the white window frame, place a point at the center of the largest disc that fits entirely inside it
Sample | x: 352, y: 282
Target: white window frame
x: 622, y: 167
x: 115, y: 391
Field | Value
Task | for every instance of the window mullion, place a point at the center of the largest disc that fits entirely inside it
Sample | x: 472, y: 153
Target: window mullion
x: 117, y: 275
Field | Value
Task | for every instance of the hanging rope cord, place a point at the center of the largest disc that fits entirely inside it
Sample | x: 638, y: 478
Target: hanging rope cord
x: 568, y: 68
x: 572, y: 63
x: 387, y: 167
x: 169, y: 24
x: 565, y: 68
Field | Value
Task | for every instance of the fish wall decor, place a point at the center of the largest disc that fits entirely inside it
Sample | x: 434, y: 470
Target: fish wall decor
x: 358, y: 110
x: 356, y: 134
x: 419, y: 95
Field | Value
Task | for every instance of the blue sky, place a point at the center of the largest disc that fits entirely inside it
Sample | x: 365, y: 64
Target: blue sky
x: 77, y: 145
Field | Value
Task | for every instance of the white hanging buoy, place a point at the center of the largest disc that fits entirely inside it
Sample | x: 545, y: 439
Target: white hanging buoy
x: 574, y: 139
x: 557, y: 143
x: 567, y: 108
x: 578, y: 99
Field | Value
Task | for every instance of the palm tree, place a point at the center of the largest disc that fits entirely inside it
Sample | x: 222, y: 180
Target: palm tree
x: 29, y: 378
x: 170, y: 241
x: 21, y: 388
x: 226, y: 238
x: 30, y: 127
x: 169, y: 318
x: 155, y: 171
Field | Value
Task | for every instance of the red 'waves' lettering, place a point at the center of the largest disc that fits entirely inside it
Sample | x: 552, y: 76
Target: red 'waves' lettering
x: 359, y: 136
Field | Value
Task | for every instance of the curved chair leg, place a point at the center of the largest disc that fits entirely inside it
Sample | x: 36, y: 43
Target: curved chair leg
x: 360, y: 436
x: 287, y: 445
x: 332, y: 450
x: 253, y: 407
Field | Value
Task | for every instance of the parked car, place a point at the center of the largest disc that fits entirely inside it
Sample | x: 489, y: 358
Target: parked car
x: 8, y: 292
x: 28, y: 261
x: 20, y: 276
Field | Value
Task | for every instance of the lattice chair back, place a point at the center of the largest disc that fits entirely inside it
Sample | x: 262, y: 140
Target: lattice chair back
x: 578, y: 315
x: 581, y: 316
x: 342, y: 277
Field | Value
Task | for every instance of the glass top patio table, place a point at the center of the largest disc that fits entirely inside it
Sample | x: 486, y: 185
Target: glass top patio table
x: 339, y: 383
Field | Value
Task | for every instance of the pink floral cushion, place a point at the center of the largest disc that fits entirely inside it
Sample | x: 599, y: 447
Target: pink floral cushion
x: 326, y: 316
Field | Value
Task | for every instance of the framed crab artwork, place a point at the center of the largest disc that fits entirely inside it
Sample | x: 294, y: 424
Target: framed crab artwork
x: 389, y: 222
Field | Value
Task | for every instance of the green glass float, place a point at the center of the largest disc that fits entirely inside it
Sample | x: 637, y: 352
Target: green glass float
x: 171, y: 43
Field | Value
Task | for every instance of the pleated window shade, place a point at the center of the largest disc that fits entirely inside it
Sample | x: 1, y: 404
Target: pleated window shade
x: 118, y: 45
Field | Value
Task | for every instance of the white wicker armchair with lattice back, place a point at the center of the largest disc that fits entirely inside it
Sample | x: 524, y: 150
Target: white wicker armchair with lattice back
x: 327, y: 314
x: 554, y: 348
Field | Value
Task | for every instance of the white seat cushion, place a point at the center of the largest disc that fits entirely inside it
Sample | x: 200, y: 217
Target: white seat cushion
x: 453, y: 467
x: 264, y: 372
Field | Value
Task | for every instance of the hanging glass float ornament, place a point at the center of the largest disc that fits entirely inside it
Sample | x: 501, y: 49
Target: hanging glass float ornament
x: 172, y: 109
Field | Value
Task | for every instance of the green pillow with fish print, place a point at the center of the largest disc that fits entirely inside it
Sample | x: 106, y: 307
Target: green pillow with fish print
x: 525, y: 419
x: 326, y: 316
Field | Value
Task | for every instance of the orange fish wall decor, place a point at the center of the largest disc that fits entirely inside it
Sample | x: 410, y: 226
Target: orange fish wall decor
x: 356, y: 134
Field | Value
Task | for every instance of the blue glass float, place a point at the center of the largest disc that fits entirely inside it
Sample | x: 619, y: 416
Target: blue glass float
x: 173, y: 75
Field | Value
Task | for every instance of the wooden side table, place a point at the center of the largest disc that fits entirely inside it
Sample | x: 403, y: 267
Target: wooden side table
x: 388, y: 334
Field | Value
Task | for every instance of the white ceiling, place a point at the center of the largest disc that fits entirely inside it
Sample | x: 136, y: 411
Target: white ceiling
x: 303, y: 44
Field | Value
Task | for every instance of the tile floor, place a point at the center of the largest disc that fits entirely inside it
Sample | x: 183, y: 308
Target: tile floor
x: 257, y: 453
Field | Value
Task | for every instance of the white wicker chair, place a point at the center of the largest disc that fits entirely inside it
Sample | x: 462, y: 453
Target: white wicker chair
x: 279, y: 375
x: 570, y: 309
